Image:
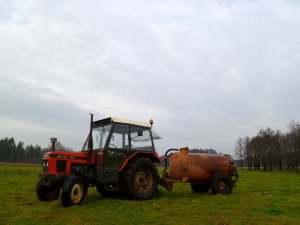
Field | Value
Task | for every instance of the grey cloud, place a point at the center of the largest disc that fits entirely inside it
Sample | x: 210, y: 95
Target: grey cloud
x: 209, y: 72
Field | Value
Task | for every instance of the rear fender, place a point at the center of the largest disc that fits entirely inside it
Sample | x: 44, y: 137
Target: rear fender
x: 152, y: 156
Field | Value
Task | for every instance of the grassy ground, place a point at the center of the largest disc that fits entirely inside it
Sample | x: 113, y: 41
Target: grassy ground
x: 260, y: 198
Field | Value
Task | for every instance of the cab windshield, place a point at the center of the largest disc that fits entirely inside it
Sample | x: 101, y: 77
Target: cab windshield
x: 100, y: 136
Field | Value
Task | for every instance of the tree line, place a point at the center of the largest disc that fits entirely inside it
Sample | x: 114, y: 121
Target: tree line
x: 270, y: 149
x: 10, y: 151
x: 206, y: 151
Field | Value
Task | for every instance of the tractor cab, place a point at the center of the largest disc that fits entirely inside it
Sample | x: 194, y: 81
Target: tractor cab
x: 114, y: 142
x: 113, y: 134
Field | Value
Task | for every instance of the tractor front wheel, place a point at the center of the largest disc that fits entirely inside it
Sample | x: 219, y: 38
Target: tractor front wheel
x: 140, y: 180
x: 46, y: 192
x: 73, y: 191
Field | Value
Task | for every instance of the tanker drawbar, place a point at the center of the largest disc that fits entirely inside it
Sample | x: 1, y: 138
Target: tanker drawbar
x: 203, y: 171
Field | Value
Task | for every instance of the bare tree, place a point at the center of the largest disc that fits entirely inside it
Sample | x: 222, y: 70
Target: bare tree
x: 248, y: 153
x: 278, y: 146
x: 239, y: 151
x: 294, y: 128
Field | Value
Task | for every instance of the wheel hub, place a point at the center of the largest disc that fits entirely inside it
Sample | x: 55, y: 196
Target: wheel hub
x: 143, y: 181
x: 76, y: 193
x: 222, y: 185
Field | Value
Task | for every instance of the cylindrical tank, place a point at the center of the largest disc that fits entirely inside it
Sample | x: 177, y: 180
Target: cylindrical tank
x: 198, y: 167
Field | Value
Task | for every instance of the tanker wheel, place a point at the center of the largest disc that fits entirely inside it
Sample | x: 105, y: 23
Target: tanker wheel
x: 108, y: 190
x: 73, y: 191
x: 46, y: 192
x: 200, y: 188
x: 222, y: 184
x: 140, y: 180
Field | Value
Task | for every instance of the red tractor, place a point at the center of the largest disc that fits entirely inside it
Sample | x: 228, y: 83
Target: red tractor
x: 119, y: 157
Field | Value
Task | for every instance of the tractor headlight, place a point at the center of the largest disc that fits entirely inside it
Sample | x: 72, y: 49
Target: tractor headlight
x: 45, y: 165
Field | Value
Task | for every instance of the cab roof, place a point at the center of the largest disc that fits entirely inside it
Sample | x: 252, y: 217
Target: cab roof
x: 119, y: 120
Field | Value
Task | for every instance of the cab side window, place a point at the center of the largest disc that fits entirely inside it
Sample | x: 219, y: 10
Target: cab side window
x: 140, y: 138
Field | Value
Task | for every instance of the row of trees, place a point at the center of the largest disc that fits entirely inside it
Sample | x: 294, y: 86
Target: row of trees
x: 207, y: 151
x: 12, y: 152
x: 270, y: 149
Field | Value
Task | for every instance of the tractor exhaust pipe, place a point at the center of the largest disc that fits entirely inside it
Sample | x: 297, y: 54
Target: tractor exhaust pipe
x: 53, y: 141
x: 90, y: 141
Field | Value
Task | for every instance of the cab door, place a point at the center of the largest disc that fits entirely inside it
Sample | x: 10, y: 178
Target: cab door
x: 118, y: 146
x: 117, y: 149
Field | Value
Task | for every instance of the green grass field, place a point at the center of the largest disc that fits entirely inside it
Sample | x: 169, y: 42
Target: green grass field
x: 259, y: 198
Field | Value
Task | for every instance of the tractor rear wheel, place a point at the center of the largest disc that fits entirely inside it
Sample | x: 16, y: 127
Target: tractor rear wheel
x: 222, y: 184
x: 200, y: 188
x: 46, y: 192
x: 140, y: 180
x: 73, y: 191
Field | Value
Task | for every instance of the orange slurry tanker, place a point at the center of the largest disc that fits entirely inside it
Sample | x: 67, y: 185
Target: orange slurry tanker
x: 203, y: 171
x: 119, y: 158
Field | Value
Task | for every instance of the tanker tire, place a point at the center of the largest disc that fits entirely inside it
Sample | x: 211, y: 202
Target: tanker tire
x: 200, y: 188
x: 222, y: 184
x: 46, y: 193
x: 140, y: 180
x: 73, y: 191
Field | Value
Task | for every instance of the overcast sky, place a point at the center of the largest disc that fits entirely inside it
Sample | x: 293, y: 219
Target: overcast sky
x: 206, y: 72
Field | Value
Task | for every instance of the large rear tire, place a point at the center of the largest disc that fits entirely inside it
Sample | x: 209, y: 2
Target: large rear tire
x: 200, y: 188
x: 46, y: 192
x: 73, y: 191
x: 140, y: 180
x: 222, y: 184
